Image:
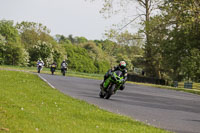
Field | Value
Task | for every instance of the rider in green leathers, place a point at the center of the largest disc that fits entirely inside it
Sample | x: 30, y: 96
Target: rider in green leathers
x: 122, y: 68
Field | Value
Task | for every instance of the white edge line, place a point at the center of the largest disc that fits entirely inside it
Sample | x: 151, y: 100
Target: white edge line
x: 46, y: 81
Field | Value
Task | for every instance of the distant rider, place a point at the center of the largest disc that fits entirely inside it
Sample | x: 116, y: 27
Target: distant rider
x: 53, y: 65
x: 40, y: 62
x: 122, y: 68
x: 63, y: 65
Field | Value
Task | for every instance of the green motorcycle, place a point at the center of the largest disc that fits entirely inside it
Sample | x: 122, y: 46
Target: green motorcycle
x: 111, y: 84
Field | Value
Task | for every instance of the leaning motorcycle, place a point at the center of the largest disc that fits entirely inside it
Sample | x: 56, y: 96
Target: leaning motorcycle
x: 111, y: 84
x: 39, y: 67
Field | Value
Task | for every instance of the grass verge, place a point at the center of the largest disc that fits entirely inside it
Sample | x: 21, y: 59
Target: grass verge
x: 194, y: 91
x: 29, y: 105
x: 47, y: 70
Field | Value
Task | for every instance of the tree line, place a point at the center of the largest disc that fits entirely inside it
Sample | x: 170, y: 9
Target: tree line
x: 172, y: 35
x: 174, y: 40
x: 168, y: 47
x: 24, y: 43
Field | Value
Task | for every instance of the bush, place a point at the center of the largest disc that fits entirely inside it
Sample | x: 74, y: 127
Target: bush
x: 79, y: 60
x: 42, y: 50
x: 16, y: 55
x: 102, y: 66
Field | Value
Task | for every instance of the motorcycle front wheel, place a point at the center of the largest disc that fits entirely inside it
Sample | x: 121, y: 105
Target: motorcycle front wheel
x: 52, y: 71
x: 110, y: 91
x: 39, y: 69
x: 101, y: 95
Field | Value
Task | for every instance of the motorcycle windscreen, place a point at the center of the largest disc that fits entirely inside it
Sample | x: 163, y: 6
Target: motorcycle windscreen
x: 119, y: 73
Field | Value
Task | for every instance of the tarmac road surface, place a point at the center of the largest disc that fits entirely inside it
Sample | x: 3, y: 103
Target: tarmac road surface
x: 171, y: 110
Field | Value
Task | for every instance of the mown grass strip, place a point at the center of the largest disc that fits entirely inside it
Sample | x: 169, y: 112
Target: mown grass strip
x: 194, y: 91
x: 47, y: 70
x: 29, y: 105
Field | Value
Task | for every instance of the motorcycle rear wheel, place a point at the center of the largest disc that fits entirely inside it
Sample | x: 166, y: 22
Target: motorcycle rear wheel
x: 63, y: 73
x: 101, y: 95
x: 38, y: 70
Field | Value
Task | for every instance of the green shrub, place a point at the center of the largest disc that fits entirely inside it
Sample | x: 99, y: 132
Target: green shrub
x: 102, y: 66
x: 79, y: 60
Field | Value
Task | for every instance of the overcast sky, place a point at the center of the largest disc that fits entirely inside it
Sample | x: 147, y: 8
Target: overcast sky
x: 76, y: 17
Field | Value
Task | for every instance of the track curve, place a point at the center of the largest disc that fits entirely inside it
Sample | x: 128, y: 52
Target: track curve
x: 171, y: 110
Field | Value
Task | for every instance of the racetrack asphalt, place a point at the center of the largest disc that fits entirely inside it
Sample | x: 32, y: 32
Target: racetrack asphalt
x: 167, y: 109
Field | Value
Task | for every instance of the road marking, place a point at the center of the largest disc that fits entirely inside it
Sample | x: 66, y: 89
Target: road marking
x: 46, y: 81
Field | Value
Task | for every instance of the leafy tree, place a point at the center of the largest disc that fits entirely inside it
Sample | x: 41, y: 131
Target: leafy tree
x: 15, y: 55
x: 42, y: 50
x: 190, y: 66
x: 125, y: 38
x: 72, y: 40
x: 32, y: 32
x: 35, y: 36
x: 158, y: 33
x: 59, y: 53
x: 102, y: 66
x: 37, y: 27
x: 62, y: 39
x: 128, y: 47
x: 111, y: 7
x: 174, y: 35
x: 2, y: 49
x: 109, y: 47
x: 80, y: 40
x: 100, y: 59
x: 109, y: 50
x: 79, y: 59
x: 8, y: 31
x: 12, y: 52
x: 95, y: 52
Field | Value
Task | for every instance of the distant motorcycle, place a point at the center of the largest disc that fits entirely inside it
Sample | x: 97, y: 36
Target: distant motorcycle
x: 111, y: 84
x: 39, y: 67
x: 53, y: 69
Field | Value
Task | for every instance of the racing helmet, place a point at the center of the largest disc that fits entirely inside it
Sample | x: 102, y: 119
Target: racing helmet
x: 122, y: 65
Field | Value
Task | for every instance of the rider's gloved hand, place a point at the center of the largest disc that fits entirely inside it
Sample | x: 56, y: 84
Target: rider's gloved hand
x: 123, y: 80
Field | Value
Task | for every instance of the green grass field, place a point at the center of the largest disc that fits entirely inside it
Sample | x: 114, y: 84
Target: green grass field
x: 29, y: 105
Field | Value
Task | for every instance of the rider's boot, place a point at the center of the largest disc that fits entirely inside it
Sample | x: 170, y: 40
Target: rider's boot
x: 122, y: 87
